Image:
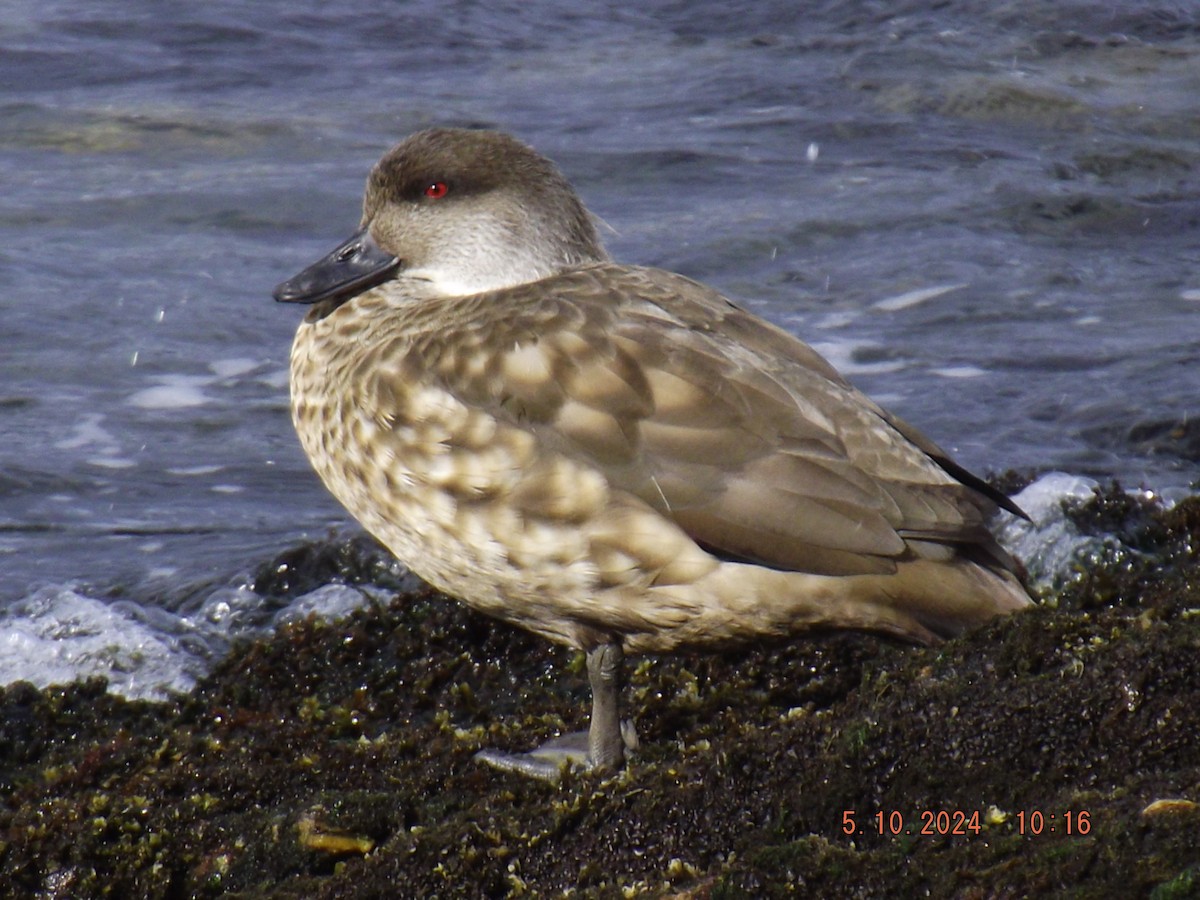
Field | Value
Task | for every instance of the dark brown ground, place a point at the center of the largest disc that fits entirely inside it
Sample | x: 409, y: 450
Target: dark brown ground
x: 302, y: 751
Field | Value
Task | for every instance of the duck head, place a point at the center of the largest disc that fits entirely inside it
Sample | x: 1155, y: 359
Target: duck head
x: 454, y: 211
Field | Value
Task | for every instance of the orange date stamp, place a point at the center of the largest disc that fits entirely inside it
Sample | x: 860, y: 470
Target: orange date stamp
x: 943, y: 822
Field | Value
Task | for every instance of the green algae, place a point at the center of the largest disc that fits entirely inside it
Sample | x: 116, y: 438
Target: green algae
x: 336, y: 760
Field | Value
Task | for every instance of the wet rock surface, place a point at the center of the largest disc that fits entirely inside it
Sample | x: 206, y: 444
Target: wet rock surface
x: 1054, y: 751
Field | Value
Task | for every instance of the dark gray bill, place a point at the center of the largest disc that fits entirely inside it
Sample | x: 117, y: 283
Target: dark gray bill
x: 355, y: 266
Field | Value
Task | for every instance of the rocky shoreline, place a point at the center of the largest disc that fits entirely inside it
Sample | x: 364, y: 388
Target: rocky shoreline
x: 1053, y: 752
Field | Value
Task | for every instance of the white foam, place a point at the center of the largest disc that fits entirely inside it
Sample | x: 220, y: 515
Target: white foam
x: 841, y: 356
x: 233, y: 368
x: 88, y: 432
x: 111, y: 462
x: 58, y: 635
x: 174, y: 392
x: 231, y: 609
x: 188, y: 471
x: 915, y: 298
x: 177, y: 391
x: 959, y: 371
x: 333, y: 602
x: 1042, y: 499
x: 276, y: 379
x: 829, y: 321
x: 1050, y: 544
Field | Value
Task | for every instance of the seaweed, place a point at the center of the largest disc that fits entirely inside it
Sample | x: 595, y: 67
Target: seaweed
x: 1053, y: 751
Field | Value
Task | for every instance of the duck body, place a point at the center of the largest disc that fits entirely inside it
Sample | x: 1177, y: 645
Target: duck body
x: 540, y: 452
x: 611, y: 456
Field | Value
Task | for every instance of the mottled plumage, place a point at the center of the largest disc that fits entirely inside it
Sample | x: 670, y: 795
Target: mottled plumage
x: 611, y: 456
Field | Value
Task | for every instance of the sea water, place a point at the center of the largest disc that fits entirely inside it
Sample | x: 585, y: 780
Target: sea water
x: 984, y: 214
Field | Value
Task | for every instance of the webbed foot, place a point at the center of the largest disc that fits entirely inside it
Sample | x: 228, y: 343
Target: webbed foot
x: 601, y: 747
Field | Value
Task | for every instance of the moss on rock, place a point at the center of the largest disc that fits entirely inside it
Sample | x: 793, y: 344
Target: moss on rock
x: 336, y: 760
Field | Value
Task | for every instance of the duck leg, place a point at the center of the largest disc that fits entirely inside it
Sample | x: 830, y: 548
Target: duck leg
x: 601, y: 747
x: 606, y: 744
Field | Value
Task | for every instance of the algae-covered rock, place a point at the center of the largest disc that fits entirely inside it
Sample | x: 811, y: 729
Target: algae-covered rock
x: 1052, y: 752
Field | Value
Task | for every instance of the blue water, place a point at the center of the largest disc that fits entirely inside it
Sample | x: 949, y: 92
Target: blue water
x: 987, y: 215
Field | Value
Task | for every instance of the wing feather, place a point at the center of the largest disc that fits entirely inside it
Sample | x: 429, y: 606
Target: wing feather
x: 740, y: 433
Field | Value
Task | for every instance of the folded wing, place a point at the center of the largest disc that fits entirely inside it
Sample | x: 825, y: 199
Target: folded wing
x: 737, y: 431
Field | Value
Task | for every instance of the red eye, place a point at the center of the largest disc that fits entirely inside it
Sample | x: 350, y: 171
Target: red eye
x: 437, y: 190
